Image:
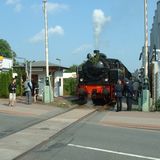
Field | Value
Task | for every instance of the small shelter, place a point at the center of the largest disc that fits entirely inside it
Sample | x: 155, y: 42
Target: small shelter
x: 56, y: 75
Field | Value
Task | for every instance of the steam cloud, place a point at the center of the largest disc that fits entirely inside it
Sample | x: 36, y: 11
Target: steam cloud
x: 99, y: 21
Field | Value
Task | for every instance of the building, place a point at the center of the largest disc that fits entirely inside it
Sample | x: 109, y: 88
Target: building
x: 154, y: 56
x: 70, y: 75
x: 155, y: 30
x: 56, y: 75
x: 5, y: 64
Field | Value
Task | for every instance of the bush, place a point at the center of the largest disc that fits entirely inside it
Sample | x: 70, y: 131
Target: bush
x: 157, y: 105
x: 70, y: 86
x: 5, y: 79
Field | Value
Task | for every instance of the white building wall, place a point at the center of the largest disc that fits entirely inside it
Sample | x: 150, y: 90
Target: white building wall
x: 155, y: 40
x: 57, y: 79
x: 58, y: 83
x: 41, y: 83
x: 6, y: 63
x: 158, y: 81
x: 70, y: 75
x: 155, y: 31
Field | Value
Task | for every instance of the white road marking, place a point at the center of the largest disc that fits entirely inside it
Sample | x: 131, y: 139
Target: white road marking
x: 115, y: 152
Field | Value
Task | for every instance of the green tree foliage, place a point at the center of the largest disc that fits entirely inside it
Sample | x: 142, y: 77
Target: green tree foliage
x: 157, y: 105
x: 5, y: 49
x: 21, y: 74
x: 73, y: 68
x: 70, y: 86
x: 5, y: 79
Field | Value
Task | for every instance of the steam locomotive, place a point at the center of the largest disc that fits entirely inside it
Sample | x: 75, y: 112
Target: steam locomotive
x: 97, y: 78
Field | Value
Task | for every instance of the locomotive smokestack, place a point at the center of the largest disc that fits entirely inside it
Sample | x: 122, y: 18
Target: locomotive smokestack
x: 96, y: 51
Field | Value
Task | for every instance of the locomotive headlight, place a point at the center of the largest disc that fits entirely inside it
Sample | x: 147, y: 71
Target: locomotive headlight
x: 106, y: 79
x: 81, y: 79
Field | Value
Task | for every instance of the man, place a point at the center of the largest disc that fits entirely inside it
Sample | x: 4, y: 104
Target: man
x: 118, y: 95
x: 28, y: 91
x: 12, y: 93
x: 129, y: 94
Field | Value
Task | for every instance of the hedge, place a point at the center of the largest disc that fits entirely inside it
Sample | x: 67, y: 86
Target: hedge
x: 157, y: 105
x: 5, y: 79
x: 70, y: 86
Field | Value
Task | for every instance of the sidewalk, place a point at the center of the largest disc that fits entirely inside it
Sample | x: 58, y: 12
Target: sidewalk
x: 132, y: 119
x: 23, y: 109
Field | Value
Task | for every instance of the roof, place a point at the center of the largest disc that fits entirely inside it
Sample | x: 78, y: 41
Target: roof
x: 43, y: 64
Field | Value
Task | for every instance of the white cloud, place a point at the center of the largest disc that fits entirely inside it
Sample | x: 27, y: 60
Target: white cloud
x: 12, y: 1
x: 83, y: 48
x: 52, y: 7
x: 51, y: 31
x: 18, y: 7
x: 16, y: 4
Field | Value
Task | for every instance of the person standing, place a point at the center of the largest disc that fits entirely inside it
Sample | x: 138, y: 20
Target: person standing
x: 35, y: 92
x: 12, y: 92
x: 129, y: 94
x: 28, y: 91
x: 118, y: 95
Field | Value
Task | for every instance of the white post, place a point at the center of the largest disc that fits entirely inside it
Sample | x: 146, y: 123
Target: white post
x: 46, y: 37
x: 48, y: 92
x: 146, y: 93
x: 146, y: 38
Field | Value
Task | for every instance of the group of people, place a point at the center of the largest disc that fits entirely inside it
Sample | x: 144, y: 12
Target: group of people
x: 126, y: 90
x: 29, y: 90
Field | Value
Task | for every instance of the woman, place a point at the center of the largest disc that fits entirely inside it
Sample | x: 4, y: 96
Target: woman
x: 12, y: 92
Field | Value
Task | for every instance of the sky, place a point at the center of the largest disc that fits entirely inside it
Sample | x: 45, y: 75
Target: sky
x: 76, y: 28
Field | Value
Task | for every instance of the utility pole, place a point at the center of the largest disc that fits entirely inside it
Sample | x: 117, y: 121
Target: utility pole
x: 146, y: 93
x: 146, y: 38
x: 48, y: 91
x: 46, y: 36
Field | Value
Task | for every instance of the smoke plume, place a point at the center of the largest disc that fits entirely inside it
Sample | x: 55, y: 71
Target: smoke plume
x: 99, y: 21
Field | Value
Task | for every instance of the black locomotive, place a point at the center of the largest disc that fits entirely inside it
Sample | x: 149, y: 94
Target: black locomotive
x: 97, y: 78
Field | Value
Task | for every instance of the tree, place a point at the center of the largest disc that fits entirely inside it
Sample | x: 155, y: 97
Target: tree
x: 5, y: 49
x: 73, y: 68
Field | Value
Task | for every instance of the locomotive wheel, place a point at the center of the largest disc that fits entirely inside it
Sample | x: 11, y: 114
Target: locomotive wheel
x: 100, y: 101
x: 82, y: 100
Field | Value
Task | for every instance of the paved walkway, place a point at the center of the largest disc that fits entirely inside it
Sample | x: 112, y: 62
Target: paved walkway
x: 132, y: 119
x: 22, y: 109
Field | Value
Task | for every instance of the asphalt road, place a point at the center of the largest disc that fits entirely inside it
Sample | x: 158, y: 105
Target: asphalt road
x: 92, y: 140
x: 10, y: 123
